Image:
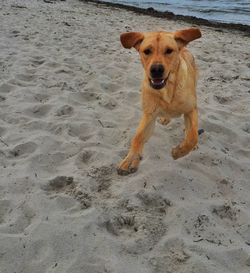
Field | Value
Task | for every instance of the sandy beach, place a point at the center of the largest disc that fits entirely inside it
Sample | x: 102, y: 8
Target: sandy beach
x: 69, y: 106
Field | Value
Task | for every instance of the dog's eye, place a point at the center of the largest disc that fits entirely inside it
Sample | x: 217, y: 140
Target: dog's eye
x: 168, y: 51
x: 147, y: 51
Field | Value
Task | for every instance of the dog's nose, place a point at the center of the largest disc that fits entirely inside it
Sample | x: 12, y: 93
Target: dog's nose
x: 156, y: 70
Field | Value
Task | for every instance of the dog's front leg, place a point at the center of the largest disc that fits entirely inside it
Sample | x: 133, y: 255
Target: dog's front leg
x: 131, y: 162
x: 191, y: 135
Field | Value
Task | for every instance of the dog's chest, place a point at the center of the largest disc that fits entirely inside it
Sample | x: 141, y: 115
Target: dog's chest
x: 182, y: 102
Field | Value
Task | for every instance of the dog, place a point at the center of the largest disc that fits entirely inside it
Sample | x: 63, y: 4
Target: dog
x: 168, y: 89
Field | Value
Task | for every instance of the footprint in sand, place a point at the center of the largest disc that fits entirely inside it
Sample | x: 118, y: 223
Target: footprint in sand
x: 2, y: 98
x: 216, y: 127
x: 140, y: 227
x: 88, y: 156
x: 84, y: 158
x: 38, y: 111
x: 64, y: 70
x: 23, y: 150
x: 139, y: 231
x: 6, y: 88
x: 59, y: 184
x: 226, y: 213
x: 37, y: 61
x: 223, y: 99
x: 84, y: 97
x: 204, y: 227
x: 173, y: 255
x: 109, y: 86
x: 81, y: 130
x: 18, y: 218
x: 66, y: 185
x: 42, y: 98
x: 52, y: 64
x: 246, y: 128
x: 108, y: 103
x: 45, y: 162
x: 153, y: 201
x: 102, y: 177
x: 23, y: 220
x: 25, y: 77
x: 40, y: 252
x: 36, y: 125
x: 65, y: 110
x: 122, y: 224
x: 21, y: 185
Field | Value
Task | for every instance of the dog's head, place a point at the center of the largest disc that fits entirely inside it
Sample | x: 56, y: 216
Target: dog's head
x: 159, y: 51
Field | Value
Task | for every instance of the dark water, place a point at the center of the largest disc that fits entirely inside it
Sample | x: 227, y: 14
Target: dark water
x: 227, y: 11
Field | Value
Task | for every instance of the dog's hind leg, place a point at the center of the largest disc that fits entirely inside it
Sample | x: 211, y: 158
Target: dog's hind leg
x: 191, y: 135
x: 131, y: 162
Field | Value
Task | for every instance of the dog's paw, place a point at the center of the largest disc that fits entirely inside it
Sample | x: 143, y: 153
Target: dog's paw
x: 182, y: 150
x: 129, y: 165
x: 163, y: 121
x: 124, y: 172
x: 177, y: 152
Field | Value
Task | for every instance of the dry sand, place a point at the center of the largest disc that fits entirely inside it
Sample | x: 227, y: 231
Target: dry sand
x: 69, y: 106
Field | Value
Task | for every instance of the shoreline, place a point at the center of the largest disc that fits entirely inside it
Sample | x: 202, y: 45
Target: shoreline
x: 171, y: 16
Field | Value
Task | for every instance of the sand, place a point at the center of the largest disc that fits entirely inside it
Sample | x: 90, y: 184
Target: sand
x: 69, y: 106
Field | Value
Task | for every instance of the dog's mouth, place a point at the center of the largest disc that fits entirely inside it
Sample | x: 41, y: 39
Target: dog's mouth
x: 158, y: 83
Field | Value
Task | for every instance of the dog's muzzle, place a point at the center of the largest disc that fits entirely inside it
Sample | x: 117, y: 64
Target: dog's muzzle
x: 158, y: 83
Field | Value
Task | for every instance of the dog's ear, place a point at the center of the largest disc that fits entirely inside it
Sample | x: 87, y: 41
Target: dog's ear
x: 131, y: 39
x: 183, y: 37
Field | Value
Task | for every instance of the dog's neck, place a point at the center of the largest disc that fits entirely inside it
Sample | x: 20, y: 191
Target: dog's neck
x: 168, y: 91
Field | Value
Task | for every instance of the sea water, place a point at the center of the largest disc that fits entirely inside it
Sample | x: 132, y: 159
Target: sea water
x: 227, y: 11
